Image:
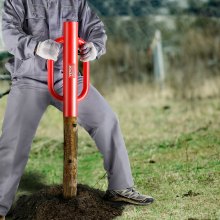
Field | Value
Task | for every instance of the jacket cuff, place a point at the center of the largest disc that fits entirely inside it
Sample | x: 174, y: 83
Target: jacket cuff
x: 99, y: 50
x: 32, y: 47
x: 35, y: 49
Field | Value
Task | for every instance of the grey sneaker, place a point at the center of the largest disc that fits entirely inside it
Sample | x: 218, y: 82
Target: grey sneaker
x: 129, y: 195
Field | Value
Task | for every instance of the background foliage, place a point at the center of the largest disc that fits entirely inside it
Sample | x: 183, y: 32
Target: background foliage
x: 172, y: 134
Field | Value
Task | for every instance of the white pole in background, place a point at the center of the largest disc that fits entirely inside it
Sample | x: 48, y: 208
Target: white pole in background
x: 158, y: 62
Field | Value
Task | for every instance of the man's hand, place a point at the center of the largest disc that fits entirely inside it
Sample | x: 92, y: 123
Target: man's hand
x: 48, y: 49
x: 88, y: 52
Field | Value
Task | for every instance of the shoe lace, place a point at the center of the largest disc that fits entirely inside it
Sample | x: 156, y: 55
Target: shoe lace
x: 131, y: 192
x: 135, y: 193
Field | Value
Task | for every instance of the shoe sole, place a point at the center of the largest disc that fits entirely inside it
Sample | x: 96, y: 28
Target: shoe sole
x: 121, y: 199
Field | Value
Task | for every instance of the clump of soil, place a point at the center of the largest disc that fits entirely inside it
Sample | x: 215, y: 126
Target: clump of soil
x: 49, y: 204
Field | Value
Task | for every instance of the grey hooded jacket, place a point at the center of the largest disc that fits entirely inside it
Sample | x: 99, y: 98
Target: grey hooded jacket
x: 26, y: 22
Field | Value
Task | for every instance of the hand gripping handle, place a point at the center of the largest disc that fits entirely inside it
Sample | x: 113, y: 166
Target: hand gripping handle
x: 86, y: 75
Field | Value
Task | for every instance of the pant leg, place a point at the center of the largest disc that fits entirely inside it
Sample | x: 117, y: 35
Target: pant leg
x: 97, y: 117
x: 25, y: 107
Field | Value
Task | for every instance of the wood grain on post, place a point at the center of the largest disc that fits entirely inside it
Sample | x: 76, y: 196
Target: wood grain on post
x: 70, y: 157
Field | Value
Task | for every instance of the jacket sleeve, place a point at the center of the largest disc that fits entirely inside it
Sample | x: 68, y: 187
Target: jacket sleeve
x: 16, y: 41
x: 91, y: 28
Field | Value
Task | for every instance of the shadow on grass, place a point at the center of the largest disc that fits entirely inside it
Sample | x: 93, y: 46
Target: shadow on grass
x: 32, y: 182
x: 49, y: 203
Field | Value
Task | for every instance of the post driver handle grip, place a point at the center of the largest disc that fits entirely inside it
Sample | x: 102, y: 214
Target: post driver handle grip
x: 86, y: 75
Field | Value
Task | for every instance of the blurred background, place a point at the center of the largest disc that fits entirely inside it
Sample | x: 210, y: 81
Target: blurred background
x: 190, y: 46
x: 161, y: 75
x: 189, y: 38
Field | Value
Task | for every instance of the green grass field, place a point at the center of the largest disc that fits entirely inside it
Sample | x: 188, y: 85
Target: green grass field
x: 173, y: 145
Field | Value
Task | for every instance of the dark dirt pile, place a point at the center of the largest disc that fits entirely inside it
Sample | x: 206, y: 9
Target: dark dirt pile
x: 48, y: 204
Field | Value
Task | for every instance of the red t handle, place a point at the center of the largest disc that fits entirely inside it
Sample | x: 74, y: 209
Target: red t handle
x: 70, y: 97
x: 86, y: 75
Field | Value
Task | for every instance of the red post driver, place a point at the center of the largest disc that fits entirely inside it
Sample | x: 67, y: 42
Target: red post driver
x: 71, y: 43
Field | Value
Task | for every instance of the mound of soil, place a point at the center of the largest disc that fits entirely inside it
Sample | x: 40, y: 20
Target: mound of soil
x: 48, y: 204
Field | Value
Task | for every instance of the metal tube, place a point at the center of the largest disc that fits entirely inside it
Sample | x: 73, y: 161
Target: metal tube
x: 50, y: 80
x: 70, y: 69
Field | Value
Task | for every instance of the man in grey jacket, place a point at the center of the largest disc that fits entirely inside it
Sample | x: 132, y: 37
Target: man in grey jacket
x: 29, y: 27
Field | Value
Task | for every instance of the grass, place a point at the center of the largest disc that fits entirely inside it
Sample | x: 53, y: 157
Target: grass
x: 173, y: 147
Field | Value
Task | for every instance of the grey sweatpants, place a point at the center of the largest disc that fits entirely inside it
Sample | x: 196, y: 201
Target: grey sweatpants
x: 25, y: 107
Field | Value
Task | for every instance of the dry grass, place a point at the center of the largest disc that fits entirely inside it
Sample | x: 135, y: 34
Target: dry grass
x: 191, y: 54
x: 181, y: 137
